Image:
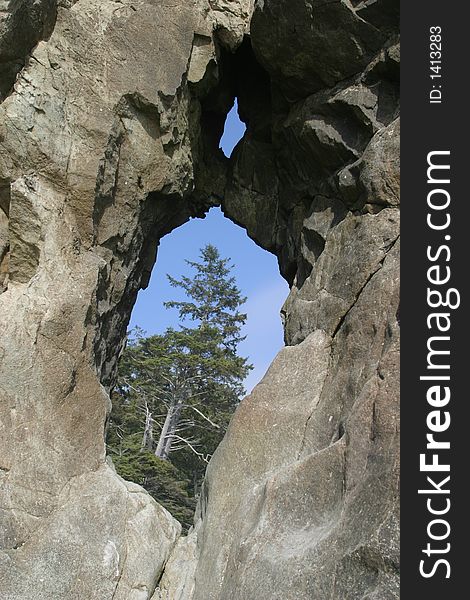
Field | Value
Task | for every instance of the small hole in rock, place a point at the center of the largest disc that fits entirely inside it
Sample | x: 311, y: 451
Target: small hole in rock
x: 234, y: 129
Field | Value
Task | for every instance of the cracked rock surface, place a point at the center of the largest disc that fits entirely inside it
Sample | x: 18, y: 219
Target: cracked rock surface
x: 110, y: 117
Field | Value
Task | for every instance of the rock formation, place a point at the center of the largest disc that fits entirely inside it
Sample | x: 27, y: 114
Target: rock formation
x: 110, y: 119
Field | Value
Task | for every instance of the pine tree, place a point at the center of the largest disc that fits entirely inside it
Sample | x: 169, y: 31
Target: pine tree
x: 215, y: 297
x: 176, y: 391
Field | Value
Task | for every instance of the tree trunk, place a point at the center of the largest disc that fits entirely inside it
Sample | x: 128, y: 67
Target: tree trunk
x: 160, y: 449
x: 169, y: 428
x: 147, y: 439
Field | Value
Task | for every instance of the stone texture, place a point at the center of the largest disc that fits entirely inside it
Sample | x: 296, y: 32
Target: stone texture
x: 92, y: 546
x: 108, y: 141
x: 310, y: 45
x: 177, y: 581
x: 379, y: 167
x: 354, y: 250
x: 23, y: 23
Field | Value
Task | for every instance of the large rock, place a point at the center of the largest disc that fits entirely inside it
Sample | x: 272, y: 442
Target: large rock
x: 108, y: 141
x: 92, y: 546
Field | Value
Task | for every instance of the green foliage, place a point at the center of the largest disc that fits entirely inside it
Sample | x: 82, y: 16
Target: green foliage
x: 176, y: 391
x: 160, y: 478
x: 214, y: 297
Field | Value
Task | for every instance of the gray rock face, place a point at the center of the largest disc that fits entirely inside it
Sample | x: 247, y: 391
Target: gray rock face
x: 108, y: 141
x: 22, y: 24
x: 307, y: 46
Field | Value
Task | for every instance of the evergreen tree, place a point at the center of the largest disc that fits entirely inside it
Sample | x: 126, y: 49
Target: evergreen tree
x: 176, y: 391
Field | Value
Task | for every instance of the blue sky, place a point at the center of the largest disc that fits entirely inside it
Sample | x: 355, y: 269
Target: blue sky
x: 256, y: 272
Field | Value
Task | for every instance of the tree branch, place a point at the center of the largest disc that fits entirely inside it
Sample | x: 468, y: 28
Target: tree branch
x: 204, y: 457
x: 204, y: 417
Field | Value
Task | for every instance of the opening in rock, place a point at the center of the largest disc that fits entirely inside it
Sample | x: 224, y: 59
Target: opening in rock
x: 234, y: 130
x: 162, y: 429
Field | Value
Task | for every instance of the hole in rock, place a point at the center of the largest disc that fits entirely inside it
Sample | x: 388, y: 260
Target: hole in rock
x: 234, y: 130
x: 177, y: 388
x: 240, y: 102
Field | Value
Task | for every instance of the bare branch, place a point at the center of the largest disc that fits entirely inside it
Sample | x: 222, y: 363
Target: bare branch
x: 204, y: 457
x: 204, y: 417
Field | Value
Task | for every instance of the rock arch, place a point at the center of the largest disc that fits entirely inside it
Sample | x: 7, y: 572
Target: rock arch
x: 107, y: 143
